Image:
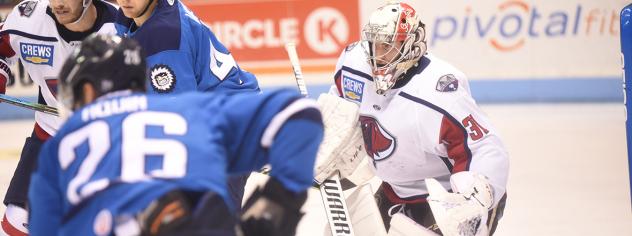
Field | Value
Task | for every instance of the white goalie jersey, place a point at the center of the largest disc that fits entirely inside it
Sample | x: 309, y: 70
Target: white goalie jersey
x: 426, y: 126
x: 31, y: 35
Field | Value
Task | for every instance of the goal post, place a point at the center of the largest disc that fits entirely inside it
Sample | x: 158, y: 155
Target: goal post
x: 626, y: 61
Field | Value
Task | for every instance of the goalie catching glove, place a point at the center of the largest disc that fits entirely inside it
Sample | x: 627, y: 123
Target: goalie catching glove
x: 342, y: 148
x: 464, y: 212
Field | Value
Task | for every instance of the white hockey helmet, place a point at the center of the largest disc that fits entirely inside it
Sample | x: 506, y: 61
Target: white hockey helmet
x: 394, y: 41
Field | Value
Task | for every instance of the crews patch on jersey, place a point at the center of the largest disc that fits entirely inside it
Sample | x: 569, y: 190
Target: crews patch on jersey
x: 352, y: 89
x: 26, y: 8
x: 163, y: 79
x: 38, y: 54
x: 378, y: 143
x: 447, y: 83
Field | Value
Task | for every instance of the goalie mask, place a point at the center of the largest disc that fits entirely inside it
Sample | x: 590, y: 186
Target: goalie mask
x: 394, y: 41
x: 108, y: 62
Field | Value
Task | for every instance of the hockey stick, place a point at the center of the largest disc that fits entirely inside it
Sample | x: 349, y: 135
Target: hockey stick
x: 331, y: 189
x: 33, y: 106
x: 296, y: 68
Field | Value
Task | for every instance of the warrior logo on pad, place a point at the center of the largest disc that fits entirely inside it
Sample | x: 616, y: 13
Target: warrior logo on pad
x: 379, y: 144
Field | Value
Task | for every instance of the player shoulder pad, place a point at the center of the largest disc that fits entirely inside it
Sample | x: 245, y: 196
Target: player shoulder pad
x: 354, y: 57
x: 351, y: 46
x: 446, y: 78
x: 354, y: 48
x: 24, y: 15
x: 439, y: 84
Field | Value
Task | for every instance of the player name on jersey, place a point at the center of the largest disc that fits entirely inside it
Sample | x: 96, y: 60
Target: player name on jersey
x: 113, y: 107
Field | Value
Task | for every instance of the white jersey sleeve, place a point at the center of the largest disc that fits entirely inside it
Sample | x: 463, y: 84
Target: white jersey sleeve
x: 466, y: 134
x: 488, y: 155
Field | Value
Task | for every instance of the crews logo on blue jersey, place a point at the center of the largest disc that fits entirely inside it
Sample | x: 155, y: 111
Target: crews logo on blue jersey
x: 352, y: 89
x: 38, y: 54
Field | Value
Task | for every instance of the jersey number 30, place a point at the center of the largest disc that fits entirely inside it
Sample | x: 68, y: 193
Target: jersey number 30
x: 135, y: 147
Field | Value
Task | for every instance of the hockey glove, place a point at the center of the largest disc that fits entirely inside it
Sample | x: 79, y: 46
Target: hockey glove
x: 464, y: 212
x: 165, y: 215
x: 5, y: 76
x: 272, y: 210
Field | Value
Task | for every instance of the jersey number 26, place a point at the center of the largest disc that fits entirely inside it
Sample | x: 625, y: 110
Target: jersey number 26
x: 135, y: 147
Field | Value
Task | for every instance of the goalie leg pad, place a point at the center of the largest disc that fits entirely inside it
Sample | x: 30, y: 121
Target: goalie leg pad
x: 401, y: 225
x: 365, y: 216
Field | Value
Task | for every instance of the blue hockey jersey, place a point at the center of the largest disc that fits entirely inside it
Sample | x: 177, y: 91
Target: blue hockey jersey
x: 183, y: 54
x: 118, y: 154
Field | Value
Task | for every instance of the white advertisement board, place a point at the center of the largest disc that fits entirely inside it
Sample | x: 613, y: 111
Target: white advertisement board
x: 518, y: 39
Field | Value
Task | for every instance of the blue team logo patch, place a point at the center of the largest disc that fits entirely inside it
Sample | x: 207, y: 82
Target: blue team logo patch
x: 38, y: 54
x: 163, y: 80
x: 352, y: 89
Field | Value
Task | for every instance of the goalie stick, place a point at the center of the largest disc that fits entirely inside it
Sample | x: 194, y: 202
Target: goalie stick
x: 296, y: 68
x: 29, y: 105
x: 331, y: 189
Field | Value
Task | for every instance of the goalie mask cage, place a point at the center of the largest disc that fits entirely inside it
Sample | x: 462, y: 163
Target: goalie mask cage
x: 626, y: 60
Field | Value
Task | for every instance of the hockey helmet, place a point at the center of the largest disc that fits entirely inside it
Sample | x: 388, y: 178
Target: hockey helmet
x: 108, y: 62
x: 394, y: 41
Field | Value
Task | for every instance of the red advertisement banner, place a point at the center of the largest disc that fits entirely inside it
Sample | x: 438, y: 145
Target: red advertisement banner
x: 256, y: 31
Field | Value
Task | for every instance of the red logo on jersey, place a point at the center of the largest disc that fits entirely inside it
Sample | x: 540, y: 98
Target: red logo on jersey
x: 379, y: 144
